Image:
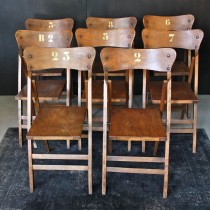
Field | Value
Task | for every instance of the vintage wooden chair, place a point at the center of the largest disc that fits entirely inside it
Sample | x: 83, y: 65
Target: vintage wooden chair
x: 110, y: 24
x: 50, y: 25
x: 173, y: 23
x: 136, y: 124
x: 57, y: 122
x: 103, y: 38
x: 48, y: 90
x: 182, y: 93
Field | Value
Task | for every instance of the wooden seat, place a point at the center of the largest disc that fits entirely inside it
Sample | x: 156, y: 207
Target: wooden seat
x: 172, y: 23
x: 112, y: 38
x: 59, y: 122
x: 135, y: 124
x: 181, y: 91
x: 48, y: 89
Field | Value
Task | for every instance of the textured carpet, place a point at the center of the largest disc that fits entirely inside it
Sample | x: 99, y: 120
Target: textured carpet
x: 189, y: 179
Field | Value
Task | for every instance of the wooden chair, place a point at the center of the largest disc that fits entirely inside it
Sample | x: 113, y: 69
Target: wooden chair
x: 49, y: 25
x: 111, y: 23
x: 182, y: 93
x: 173, y: 23
x: 59, y: 122
x: 136, y: 124
x: 48, y: 90
x: 103, y: 38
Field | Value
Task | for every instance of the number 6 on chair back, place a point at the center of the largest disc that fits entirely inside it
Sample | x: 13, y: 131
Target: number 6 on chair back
x: 59, y: 122
x: 136, y: 124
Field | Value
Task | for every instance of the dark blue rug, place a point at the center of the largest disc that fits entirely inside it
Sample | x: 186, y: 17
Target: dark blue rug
x: 189, y: 179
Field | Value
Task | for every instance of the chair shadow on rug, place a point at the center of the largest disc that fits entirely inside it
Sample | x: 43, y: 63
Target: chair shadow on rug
x: 189, y: 176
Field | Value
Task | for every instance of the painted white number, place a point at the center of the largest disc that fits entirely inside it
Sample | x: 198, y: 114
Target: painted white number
x: 171, y: 37
x: 111, y: 24
x: 168, y: 22
x: 137, y: 56
x: 50, y: 38
x: 54, y: 56
x: 41, y: 38
x: 105, y: 36
x: 66, y: 56
x: 51, y: 25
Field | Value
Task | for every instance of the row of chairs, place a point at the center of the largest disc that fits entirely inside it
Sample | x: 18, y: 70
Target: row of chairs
x: 66, y: 122
x: 122, y: 38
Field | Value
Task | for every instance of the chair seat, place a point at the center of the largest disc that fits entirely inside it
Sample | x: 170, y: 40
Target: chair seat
x: 179, y: 68
x: 181, y: 93
x: 118, y: 91
x: 47, y: 90
x: 58, y: 123
x: 136, y: 124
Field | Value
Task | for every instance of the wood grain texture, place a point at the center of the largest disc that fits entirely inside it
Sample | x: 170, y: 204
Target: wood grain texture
x: 49, y: 25
x: 136, y: 124
x: 47, y: 90
x: 57, y: 123
x: 179, y: 22
x: 181, y: 93
x: 111, y: 23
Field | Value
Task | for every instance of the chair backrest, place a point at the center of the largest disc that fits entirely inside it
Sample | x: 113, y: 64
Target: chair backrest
x: 111, y: 23
x: 115, y: 59
x: 49, y: 25
x: 104, y: 38
x: 27, y: 38
x: 188, y: 39
x: 179, y: 22
x: 78, y: 58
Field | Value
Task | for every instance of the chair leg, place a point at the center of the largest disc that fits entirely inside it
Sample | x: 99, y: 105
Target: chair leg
x: 195, y: 108
x: 80, y: 144
x: 155, y: 148
x: 165, y: 185
x: 143, y: 147
x: 68, y: 144
x: 30, y: 167
x: 20, y: 134
x: 90, y: 181
x: 184, y: 110
x: 129, y: 146
x: 104, y: 163
x: 109, y: 146
x: 46, y: 144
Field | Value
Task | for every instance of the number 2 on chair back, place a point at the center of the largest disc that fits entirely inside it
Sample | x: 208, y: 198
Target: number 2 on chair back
x: 137, y: 57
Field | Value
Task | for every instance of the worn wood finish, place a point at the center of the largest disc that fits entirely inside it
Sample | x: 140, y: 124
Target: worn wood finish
x: 49, y: 25
x: 56, y: 122
x: 129, y: 124
x: 102, y: 38
x: 176, y: 23
x: 181, y: 91
x: 111, y: 23
x: 47, y: 90
x: 118, y: 93
x: 190, y: 39
x: 136, y: 124
x: 26, y: 38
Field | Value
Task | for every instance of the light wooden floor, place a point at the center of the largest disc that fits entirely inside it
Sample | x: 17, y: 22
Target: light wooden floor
x: 8, y: 113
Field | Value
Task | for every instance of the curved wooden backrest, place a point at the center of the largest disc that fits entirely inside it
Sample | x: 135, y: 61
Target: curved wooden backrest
x: 27, y: 38
x: 49, y: 25
x: 114, y: 59
x: 180, y: 22
x: 78, y: 58
x: 188, y: 39
x: 111, y: 23
x: 103, y: 38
